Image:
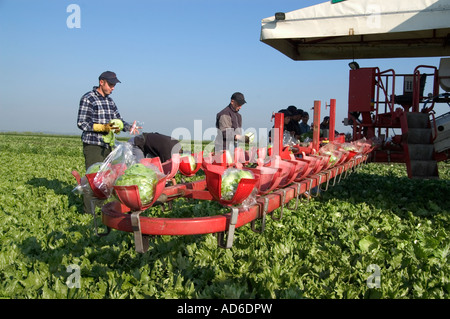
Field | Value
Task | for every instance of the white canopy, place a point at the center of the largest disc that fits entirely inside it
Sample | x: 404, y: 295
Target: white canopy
x: 362, y: 29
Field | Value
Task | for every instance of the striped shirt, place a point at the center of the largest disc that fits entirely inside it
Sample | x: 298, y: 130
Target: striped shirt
x: 95, y: 108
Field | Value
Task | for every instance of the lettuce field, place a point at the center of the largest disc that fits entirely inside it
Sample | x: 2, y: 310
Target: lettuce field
x: 376, y: 234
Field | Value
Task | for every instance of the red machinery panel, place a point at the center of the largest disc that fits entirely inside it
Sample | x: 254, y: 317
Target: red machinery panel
x: 361, y: 90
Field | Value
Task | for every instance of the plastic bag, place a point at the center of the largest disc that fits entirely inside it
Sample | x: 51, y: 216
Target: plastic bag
x: 250, y: 200
x: 145, y: 177
x: 112, y: 167
x: 84, y: 187
x: 288, y: 139
x: 230, y: 180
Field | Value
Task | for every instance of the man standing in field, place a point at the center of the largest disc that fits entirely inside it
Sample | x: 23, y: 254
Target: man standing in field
x: 229, y: 124
x: 95, y: 112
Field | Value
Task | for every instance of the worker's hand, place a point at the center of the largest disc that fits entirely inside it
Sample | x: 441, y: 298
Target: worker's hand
x: 114, y: 128
x: 135, y: 128
x: 251, y: 137
x: 106, y: 128
x: 102, y: 128
x: 242, y: 138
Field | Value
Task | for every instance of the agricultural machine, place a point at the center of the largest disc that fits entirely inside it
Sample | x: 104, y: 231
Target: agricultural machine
x: 346, y: 29
x: 380, y: 29
x: 375, y: 111
x: 279, y: 176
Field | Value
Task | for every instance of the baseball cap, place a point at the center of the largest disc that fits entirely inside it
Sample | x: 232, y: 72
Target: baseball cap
x: 239, y: 98
x: 110, y: 77
x: 298, y: 112
x: 285, y: 112
x: 292, y: 109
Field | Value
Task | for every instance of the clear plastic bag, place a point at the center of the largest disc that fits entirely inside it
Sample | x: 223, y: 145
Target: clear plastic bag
x: 112, y: 167
x: 288, y: 139
x: 84, y: 187
x: 230, y: 180
x: 250, y: 200
x: 145, y: 176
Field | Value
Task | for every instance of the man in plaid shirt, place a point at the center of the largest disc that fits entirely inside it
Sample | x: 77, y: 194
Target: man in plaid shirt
x: 96, y: 111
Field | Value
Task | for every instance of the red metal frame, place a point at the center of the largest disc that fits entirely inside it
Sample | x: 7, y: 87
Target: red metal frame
x: 115, y: 215
x: 371, y: 90
x: 285, y: 176
x: 332, y: 119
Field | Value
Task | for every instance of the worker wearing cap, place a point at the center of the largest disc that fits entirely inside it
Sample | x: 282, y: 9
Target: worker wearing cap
x: 229, y: 124
x: 95, y: 112
x: 294, y: 126
x: 304, y: 127
x: 287, y: 120
x: 325, y: 125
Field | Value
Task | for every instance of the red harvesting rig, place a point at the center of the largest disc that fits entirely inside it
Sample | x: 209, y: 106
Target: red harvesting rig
x: 380, y: 29
x: 276, y: 178
x: 376, y: 113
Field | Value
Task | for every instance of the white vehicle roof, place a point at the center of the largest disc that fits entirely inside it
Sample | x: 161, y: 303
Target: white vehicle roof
x: 362, y: 29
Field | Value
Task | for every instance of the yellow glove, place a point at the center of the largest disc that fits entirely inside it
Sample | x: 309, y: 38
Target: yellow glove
x: 103, y: 128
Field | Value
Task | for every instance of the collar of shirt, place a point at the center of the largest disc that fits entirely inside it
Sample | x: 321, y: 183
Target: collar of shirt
x: 97, y: 93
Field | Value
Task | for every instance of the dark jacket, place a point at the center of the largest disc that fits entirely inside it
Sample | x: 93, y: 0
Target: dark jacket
x: 157, y: 145
x: 228, y: 124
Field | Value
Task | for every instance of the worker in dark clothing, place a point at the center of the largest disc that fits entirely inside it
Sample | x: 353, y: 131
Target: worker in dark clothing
x: 229, y: 124
x: 294, y: 126
x: 325, y: 125
x: 286, y: 124
x: 154, y: 145
x: 304, y: 126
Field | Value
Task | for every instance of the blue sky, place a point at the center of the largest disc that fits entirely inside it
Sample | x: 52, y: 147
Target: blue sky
x: 179, y: 61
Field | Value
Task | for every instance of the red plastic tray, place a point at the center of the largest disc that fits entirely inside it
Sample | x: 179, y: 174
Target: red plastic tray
x: 214, y: 184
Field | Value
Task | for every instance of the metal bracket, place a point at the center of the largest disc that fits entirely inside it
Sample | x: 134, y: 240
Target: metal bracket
x: 317, y: 187
x: 263, y: 207
x: 340, y: 174
x: 94, y: 203
x: 231, y: 228
x: 328, y: 173
x: 299, y: 185
x: 336, y: 169
x: 141, y: 241
x: 347, y: 171
x: 283, y: 197
x: 307, y: 193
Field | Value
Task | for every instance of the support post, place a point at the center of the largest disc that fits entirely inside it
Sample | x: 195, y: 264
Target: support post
x: 228, y: 243
x: 278, y: 134
x: 332, y: 120
x: 141, y: 241
x: 316, y: 126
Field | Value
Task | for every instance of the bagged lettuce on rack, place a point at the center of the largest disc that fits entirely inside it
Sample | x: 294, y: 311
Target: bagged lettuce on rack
x: 113, y: 166
x: 85, y: 187
x: 191, y: 160
x: 145, y: 177
x: 230, y: 180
